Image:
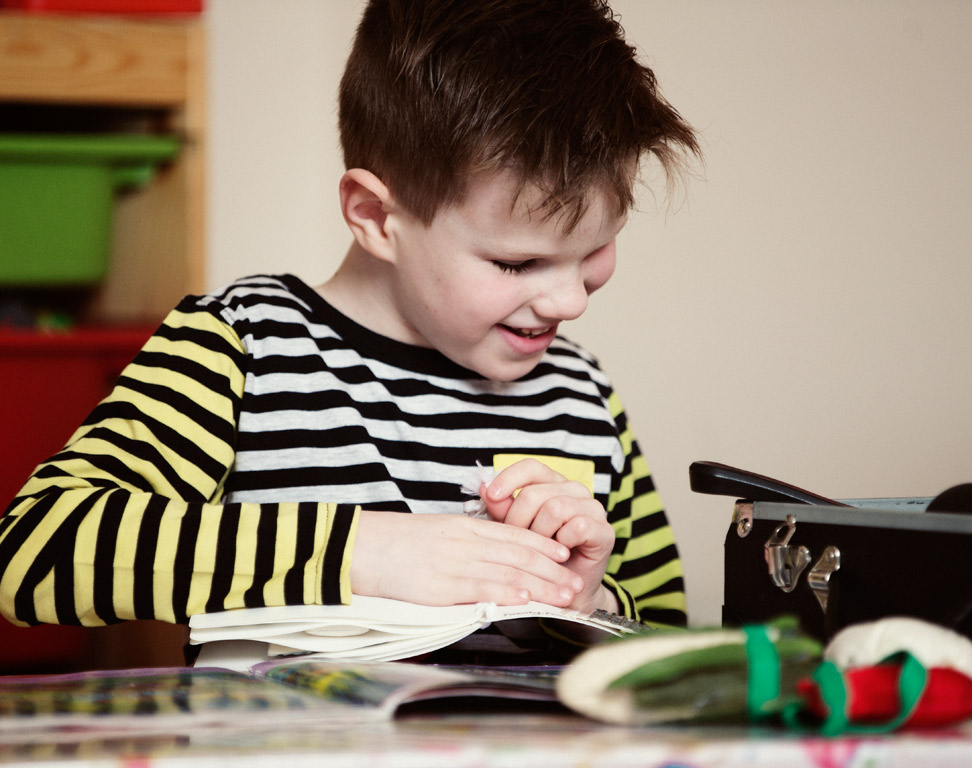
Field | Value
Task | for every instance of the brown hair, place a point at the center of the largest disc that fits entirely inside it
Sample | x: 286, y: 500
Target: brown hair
x: 435, y: 91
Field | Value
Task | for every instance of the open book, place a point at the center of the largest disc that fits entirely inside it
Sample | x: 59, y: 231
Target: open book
x: 293, y: 692
x: 380, y: 629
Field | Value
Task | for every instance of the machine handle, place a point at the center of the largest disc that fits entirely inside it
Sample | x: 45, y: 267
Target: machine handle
x: 722, y: 480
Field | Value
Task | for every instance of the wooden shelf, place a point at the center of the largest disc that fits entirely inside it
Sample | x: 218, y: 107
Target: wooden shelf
x: 68, y: 59
x: 121, y: 66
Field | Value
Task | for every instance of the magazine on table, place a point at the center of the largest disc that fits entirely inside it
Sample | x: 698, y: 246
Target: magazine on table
x: 114, y: 703
x: 293, y: 692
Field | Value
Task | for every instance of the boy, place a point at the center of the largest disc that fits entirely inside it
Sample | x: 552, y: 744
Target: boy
x: 257, y: 450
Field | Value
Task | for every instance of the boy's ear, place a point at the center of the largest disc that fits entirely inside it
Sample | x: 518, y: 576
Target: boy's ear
x: 365, y: 203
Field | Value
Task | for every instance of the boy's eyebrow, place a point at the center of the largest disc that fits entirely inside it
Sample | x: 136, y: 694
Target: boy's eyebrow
x: 498, y: 251
x: 502, y: 253
x: 514, y: 255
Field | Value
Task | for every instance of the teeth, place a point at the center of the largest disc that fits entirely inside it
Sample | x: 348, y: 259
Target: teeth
x: 526, y: 332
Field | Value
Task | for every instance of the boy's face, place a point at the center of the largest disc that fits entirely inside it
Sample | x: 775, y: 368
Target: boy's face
x: 487, y: 286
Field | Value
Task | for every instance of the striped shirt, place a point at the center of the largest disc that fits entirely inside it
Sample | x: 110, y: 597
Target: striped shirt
x: 227, y: 466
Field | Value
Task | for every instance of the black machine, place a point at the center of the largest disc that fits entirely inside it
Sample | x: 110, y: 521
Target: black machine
x: 834, y: 563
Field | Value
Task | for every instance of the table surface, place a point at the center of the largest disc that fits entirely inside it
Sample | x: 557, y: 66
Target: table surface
x: 512, y: 739
x: 201, y: 717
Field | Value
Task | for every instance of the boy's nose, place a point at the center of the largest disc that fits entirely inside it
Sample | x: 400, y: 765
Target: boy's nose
x: 566, y: 299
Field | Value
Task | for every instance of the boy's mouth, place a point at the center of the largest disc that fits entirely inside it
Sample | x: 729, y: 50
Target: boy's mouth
x: 529, y: 333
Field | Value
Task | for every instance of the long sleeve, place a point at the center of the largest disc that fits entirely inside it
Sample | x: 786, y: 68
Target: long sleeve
x: 644, y: 571
x: 126, y: 522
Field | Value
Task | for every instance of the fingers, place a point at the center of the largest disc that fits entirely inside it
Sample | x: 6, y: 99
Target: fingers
x: 587, y: 538
x: 496, y: 509
x: 448, y: 559
x: 531, y: 496
x: 506, y: 585
x: 518, y: 495
x: 523, y: 473
x: 544, y: 508
x: 524, y: 558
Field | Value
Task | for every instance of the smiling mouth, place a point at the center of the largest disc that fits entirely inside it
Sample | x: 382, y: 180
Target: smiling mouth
x: 529, y: 333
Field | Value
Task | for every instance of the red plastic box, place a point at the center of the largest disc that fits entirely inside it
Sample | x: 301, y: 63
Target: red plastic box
x: 49, y: 382
x: 150, y: 7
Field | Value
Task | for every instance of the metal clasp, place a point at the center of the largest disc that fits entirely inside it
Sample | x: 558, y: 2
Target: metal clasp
x: 819, y: 576
x: 785, y: 563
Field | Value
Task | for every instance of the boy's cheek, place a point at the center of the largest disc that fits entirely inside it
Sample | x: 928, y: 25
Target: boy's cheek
x: 600, y: 269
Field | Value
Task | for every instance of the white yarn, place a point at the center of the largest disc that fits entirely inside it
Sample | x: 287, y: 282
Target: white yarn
x: 478, y: 476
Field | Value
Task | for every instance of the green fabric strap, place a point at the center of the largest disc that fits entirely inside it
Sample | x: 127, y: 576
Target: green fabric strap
x: 828, y: 677
x: 764, y: 672
x: 834, y: 694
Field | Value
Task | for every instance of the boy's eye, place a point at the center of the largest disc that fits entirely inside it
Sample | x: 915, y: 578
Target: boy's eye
x: 514, y: 266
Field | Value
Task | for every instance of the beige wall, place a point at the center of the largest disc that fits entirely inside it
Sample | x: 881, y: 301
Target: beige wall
x: 804, y: 310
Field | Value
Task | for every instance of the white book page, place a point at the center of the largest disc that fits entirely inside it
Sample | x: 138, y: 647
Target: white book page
x: 399, y: 648
x: 362, y: 610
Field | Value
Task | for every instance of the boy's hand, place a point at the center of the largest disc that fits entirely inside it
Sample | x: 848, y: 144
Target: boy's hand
x: 448, y: 559
x: 563, y: 511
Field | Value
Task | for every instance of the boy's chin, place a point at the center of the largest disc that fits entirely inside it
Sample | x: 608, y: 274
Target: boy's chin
x: 493, y: 361
x: 506, y: 371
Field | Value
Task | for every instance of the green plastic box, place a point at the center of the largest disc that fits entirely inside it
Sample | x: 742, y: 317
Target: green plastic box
x: 56, y: 202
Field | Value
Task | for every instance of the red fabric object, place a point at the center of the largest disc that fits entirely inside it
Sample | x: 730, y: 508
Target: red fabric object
x: 873, y: 696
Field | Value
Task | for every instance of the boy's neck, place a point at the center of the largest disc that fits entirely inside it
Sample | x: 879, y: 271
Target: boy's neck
x: 359, y: 290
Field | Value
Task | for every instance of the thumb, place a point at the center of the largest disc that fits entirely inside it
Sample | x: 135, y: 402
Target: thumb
x: 496, y: 509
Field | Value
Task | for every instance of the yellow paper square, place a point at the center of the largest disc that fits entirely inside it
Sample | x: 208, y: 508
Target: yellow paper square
x: 579, y: 470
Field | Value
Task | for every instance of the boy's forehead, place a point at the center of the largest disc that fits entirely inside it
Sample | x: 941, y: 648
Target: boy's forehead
x: 498, y: 204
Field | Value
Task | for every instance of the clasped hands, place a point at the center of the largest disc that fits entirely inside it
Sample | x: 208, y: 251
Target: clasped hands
x: 547, y: 540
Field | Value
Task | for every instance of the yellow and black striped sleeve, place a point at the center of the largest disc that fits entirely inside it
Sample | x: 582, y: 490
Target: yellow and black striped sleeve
x: 644, y: 570
x: 126, y: 522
